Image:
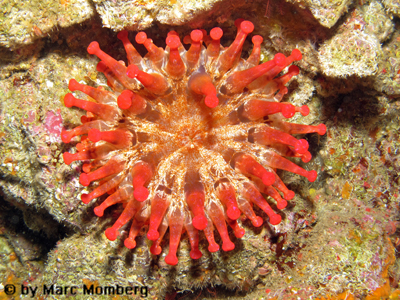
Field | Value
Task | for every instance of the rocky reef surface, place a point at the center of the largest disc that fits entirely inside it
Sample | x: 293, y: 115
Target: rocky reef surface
x: 339, y: 237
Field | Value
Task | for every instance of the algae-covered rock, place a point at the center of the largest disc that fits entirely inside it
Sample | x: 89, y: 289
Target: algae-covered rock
x: 355, y: 49
x: 350, y: 53
x: 392, y: 6
x: 377, y: 21
x: 388, y: 77
x: 132, y: 14
x: 327, y: 12
x: 93, y: 259
x: 139, y: 14
x: 336, y: 235
x: 22, y: 22
x: 31, y: 118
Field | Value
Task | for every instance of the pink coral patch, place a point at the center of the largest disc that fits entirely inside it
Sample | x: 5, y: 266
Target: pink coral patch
x: 53, y: 123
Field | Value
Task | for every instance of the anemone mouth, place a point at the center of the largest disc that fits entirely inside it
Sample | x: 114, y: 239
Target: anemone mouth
x: 189, y: 140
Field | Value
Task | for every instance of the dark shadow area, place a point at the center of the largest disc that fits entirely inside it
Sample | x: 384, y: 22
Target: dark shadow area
x: 29, y: 244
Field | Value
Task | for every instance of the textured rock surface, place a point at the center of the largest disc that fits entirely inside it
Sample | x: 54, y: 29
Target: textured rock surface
x: 392, y: 6
x: 327, y: 12
x: 350, y: 53
x: 344, y: 223
x: 23, y: 22
x: 139, y: 15
x: 109, y: 263
x: 31, y: 123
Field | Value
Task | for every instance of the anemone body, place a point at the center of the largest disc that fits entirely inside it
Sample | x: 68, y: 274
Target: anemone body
x: 189, y: 140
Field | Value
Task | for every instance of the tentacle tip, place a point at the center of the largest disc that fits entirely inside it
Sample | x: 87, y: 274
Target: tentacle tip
x: 85, y: 119
x: 304, y: 110
x: 187, y: 40
x: 171, y: 259
x: 93, y: 48
x: 280, y: 59
x: 239, y: 233
x: 195, y: 254
x: 289, y: 195
x: 228, y: 246
x: 268, y: 178
x: 301, y: 146
x: 233, y: 213
x: 211, y: 101
x: 257, y: 221
x: 283, y: 90
x: 288, y: 110
x: 84, y: 179
x: 173, y: 41
x: 141, y: 37
x: 98, y: 211
x: 65, y: 137
x: 213, y: 248
x: 296, y: 54
x: 152, y: 234
x: 257, y: 40
x: 200, y: 222
x: 122, y: 35
x: 130, y: 243
x: 172, y: 32
x: 111, y: 234
x: 275, y: 219
x: 321, y: 129
x: 312, y: 175
x: 294, y: 70
x: 73, y: 85
x: 216, y: 33
x: 247, y: 27
x: 306, y: 157
x: 238, y: 21
x: 85, y: 198
x: 155, y: 249
x: 68, y: 158
x: 141, y: 193
x: 281, y: 204
x: 69, y: 100
x: 124, y: 100
x: 196, y: 35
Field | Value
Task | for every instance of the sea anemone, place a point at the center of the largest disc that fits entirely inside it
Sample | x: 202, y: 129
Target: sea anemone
x: 189, y: 140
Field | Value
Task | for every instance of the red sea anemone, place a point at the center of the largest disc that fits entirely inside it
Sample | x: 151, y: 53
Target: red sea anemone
x: 189, y: 140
